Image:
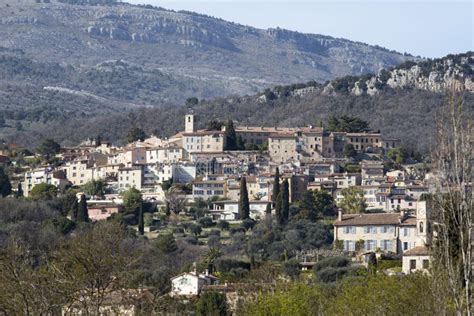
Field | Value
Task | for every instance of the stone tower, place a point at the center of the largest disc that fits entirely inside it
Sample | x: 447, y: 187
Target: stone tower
x: 189, y: 126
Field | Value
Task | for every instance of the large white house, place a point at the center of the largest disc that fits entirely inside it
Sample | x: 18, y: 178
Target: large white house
x: 387, y: 232
x: 191, y: 283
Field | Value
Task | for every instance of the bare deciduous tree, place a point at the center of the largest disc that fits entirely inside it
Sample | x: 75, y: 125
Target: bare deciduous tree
x: 175, y: 200
x: 453, y: 205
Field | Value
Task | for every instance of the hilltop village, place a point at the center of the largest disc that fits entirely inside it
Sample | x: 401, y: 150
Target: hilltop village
x: 207, y: 186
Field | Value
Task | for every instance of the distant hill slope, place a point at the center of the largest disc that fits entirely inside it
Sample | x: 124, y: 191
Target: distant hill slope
x: 155, y: 56
x: 402, y: 103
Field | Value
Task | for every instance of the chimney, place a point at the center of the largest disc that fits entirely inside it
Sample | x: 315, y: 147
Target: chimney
x: 339, y: 214
x: 194, y: 268
x: 207, y: 271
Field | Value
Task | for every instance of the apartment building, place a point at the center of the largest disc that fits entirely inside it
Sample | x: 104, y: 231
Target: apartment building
x: 167, y: 154
x: 43, y: 175
x: 130, y: 177
x: 208, y: 189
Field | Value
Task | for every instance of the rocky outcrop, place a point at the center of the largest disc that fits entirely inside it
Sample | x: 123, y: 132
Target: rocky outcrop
x: 451, y: 72
x: 440, y: 75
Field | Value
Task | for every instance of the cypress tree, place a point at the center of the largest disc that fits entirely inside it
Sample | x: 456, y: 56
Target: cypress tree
x: 5, y: 185
x: 240, y: 145
x: 276, y: 187
x: 231, y: 136
x: 141, y: 223
x: 268, y: 210
x: 82, y: 212
x: 244, y: 205
x: 285, y: 201
x: 278, y: 210
x: 19, y: 190
x: 74, y: 210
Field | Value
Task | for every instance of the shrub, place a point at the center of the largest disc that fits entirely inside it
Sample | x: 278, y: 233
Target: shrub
x: 291, y: 268
x: 248, y: 224
x: 206, y: 222
x: 388, y: 264
x: 224, y: 225
x: 333, y: 262
x: 191, y: 240
x: 214, y: 241
x: 237, y: 230
x: 226, y: 265
x: 212, y: 303
x: 215, y: 232
x: 331, y: 274
x: 130, y: 219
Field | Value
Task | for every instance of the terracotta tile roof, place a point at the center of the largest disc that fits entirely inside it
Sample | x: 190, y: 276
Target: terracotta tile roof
x: 369, y: 219
x: 282, y: 135
x: 410, y: 221
x: 417, y: 251
x: 204, y: 132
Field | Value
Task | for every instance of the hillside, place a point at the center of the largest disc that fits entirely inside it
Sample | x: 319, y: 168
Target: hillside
x: 153, y: 56
x: 406, y: 111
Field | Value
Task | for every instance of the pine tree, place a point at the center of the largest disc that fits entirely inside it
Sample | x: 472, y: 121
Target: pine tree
x: 231, y: 136
x: 19, y: 190
x: 285, y: 201
x: 141, y: 223
x: 276, y: 187
x: 82, y: 212
x: 5, y: 185
x: 244, y: 205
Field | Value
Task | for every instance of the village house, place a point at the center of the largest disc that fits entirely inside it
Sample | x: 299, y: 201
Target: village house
x: 101, y: 210
x: 229, y: 210
x: 282, y: 147
x: 194, y: 141
x: 79, y: 171
x: 367, y: 141
x: 416, y: 259
x: 128, y: 156
x: 372, y: 172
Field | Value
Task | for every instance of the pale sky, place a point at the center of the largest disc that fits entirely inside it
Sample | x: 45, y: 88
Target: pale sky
x: 428, y: 28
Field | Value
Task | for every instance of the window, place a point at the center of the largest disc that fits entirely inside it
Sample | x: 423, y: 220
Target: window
x: 406, y: 232
x: 370, y: 245
x: 349, y: 245
x: 412, y: 264
x: 405, y: 246
x: 349, y: 230
x: 386, y: 245
x: 370, y: 229
x: 426, y: 263
x: 421, y: 228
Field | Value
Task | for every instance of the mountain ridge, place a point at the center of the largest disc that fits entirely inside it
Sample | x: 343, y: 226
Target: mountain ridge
x: 230, y: 58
